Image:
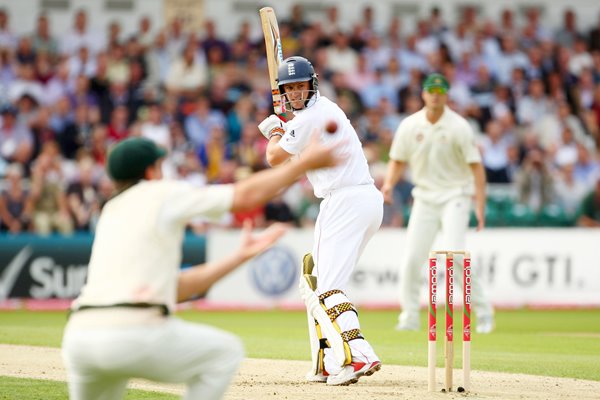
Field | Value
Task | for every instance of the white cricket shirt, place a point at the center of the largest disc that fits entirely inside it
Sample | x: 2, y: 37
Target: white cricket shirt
x: 136, y: 254
x: 438, y: 155
x: 353, y: 171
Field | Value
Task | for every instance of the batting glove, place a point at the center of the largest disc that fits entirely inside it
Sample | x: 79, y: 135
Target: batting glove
x: 272, y: 126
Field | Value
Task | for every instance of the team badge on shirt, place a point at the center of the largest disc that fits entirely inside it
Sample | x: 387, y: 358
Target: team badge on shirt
x: 420, y: 137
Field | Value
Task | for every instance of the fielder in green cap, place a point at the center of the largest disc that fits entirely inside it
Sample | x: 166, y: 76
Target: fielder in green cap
x: 436, y: 83
x: 129, y: 159
x: 121, y: 326
x: 439, y: 147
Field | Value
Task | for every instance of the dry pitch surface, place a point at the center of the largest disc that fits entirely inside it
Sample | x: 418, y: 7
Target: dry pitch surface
x: 282, y: 379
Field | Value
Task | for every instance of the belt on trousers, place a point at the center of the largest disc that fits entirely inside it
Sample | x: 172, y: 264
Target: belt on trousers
x: 162, y: 307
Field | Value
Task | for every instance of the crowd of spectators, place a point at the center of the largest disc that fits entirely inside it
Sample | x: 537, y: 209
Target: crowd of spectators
x: 531, y: 92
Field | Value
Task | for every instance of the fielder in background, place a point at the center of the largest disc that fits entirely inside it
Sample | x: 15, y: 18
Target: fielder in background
x: 350, y: 213
x: 439, y: 147
x: 120, y: 326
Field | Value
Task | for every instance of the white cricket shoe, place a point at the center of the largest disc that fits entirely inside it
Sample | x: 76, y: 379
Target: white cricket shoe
x: 485, y: 324
x: 408, y: 322
x: 321, y: 377
x: 351, y: 373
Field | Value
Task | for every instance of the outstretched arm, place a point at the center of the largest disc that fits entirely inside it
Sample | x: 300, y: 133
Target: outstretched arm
x: 395, y: 170
x: 198, y: 279
x: 479, y: 175
x: 264, y: 185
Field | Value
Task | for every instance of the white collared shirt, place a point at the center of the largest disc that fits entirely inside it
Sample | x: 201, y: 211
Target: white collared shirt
x: 137, y: 249
x: 438, y: 155
x: 353, y: 171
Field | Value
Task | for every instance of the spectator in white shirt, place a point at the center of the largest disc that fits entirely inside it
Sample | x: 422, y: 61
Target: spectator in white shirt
x: 580, y: 58
x: 7, y: 39
x: 426, y: 43
x: 458, y: 41
x: 552, y: 125
x: 144, y: 33
x: 16, y: 140
x: 411, y: 58
x: 330, y: 23
x: 376, y: 53
x: 59, y: 85
x: 509, y: 58
x: 82, y: 63
x: 565, y: 148
x: 188, y: 75
x: 495, y: 146
x: 25, y: 83
x: 535, y: 105
x: 340, y: 56
x: 158, y: 60
x: 155, y: 129
x: 80, y: 36
x: 588, y: 165
x: 176, y: 38
x: 569, y: 191
x: 490, y: 47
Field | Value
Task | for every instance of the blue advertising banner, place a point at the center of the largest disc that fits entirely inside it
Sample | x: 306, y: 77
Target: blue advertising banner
x: 56, y: 266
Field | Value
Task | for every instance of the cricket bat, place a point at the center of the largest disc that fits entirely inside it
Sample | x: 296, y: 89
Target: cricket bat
x: 274, y: 54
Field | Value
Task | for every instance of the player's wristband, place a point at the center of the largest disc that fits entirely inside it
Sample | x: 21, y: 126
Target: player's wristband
x: 276, y: 132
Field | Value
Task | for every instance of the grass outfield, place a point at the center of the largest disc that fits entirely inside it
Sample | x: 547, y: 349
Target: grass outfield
x: 563, y: 343
x: 34, y: 389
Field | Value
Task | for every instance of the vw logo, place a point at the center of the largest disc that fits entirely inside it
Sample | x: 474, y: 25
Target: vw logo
x: 274, y: 271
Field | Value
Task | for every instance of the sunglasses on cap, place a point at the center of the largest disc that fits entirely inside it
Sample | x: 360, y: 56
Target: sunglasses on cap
x: 437, y: 90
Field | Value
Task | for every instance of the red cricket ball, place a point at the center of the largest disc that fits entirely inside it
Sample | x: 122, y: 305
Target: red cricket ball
x: 331, y: 127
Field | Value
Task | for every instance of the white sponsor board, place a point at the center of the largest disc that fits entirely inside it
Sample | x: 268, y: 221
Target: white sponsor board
x: 517, y: 267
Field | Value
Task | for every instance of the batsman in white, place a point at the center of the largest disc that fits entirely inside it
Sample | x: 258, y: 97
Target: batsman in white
x: 350, y: 213
x: 439, y: 147
x: 121, y: 325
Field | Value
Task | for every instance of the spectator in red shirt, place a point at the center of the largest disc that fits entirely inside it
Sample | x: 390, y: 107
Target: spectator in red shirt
x: 118, y: 129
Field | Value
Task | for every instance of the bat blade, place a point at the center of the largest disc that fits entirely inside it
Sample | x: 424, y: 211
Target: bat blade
x: 274, y: 53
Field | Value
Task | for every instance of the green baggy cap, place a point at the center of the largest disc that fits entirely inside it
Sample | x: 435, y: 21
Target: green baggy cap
x: 436, y: 81
x: 129, y: 159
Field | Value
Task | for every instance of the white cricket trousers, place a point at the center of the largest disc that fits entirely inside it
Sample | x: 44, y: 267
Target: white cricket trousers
x: 347, y: 220
x: 100, y: 361
x: 426, y: 220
